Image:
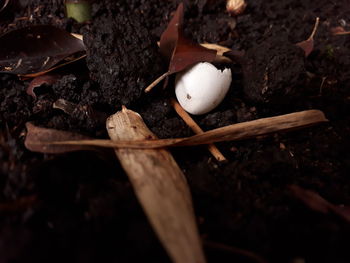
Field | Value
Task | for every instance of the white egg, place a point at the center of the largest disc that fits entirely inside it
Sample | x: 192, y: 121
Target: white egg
x: 202, y: 87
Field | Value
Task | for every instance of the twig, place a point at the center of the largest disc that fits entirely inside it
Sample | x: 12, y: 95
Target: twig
x: 160, y: 187
x: 154, y: 83
x: 314, y: 29
x: 194, y: 126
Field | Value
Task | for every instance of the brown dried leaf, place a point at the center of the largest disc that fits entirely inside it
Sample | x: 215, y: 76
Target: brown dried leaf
x: 336, y: 31
x: 317, y: 203
x: 308, y: 45
x: 47, y: 79
x: 311, y: 199
x: 234, y: 132
x: 188, y: 53
x: 38, y: 140
x: 36, y: 48
x: 169, y: 37
x: 66, y: 61
x: 183, y: 52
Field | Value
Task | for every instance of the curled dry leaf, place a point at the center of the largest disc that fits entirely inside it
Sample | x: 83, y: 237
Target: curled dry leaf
x: 47, y: 79
x: 308, y: 45
x: 36, y: 49
x: 317, y: 203
x: 181, y: 52
x: 38, y: 138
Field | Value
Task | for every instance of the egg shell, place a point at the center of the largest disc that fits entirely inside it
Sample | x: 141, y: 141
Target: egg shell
x: 202, y: 87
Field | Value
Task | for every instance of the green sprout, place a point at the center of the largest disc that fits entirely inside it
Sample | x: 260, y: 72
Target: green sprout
x: 80, y: 10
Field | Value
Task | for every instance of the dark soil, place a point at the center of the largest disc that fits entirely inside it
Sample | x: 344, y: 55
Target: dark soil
x: 80, y: 207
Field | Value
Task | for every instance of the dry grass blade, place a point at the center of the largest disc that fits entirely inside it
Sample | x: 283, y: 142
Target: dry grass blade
x: 38, y: 140
x: 160, y: 187
x: 239, y: 131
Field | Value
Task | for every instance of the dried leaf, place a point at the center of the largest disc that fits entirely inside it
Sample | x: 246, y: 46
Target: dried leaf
x: 36, y: 48
x: 310, y: 199
x: 169, y: 37
x: 182, y: 52
x: 337, y: 31
x: 308, y: 45
x: 47, y: 79
x: 37, y: 140
x: 188, y: 53
x: 317, y: 203
x: 161, y: 188
x: 65, y: 62
x: 234, y: 132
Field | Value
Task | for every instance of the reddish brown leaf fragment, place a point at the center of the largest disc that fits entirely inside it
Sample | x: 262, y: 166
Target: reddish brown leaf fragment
x: 317, y: 203
x: 188, y: 53
x: 311, y: 199
x: 47, y: 79
x: 36, y: 48
x: 66, y: 61
x: 40, y: 139
x: 336, y: 31
x: 182, y: 52
x: 308, y: 45
x: 169, y: 37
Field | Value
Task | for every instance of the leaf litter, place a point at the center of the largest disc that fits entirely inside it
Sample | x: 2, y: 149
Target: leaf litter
x: 36, y: 49
x: 47, y: 79
x: 308, y: 44
x: 181, y: 52
x: 317, y: 203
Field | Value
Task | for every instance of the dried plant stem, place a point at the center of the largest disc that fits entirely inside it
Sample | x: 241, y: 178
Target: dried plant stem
x: 160, y: 187
x: 155, y: 83
x: 234, y: 132
x: 314, y: 29
x: 342, y: 33
x: 196, y: 129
